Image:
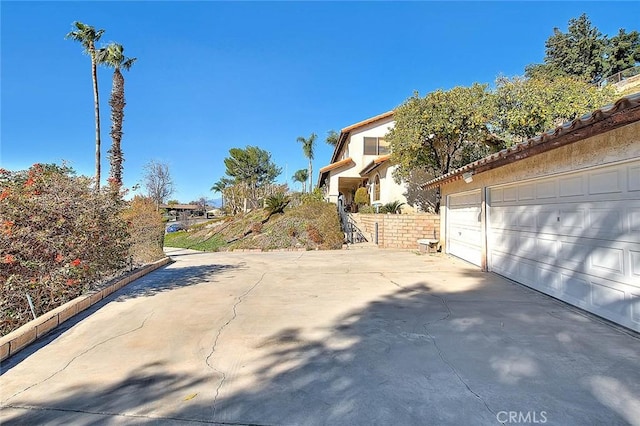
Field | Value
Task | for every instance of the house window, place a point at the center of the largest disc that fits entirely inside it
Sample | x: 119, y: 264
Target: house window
x: 375, y: 146
x: 376, y: 188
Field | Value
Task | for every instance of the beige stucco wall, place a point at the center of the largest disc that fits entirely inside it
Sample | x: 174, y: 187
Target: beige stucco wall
x: 614, y: 146
x: 389, y: 190
x: 355, y: 150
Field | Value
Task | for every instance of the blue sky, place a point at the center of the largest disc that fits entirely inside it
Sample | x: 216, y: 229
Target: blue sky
x: 211, y: 76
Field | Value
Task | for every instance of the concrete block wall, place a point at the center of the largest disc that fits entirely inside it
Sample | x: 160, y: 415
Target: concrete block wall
x: 400, y: 230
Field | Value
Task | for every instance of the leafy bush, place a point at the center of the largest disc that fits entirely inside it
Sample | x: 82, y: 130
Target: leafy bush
x: 362, y: 197
x: 313, y: 197
x: 59, y: 237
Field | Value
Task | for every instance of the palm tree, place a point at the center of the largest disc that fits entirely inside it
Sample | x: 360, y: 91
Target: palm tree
x: 220, y: 186
x: 113, y: 56
x: 88, y: 36
x: 332, y: 137
x: 301, y: 176
x: 307, y: 149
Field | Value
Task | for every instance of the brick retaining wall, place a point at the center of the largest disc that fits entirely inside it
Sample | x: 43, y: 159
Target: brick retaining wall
x: 400, y: 230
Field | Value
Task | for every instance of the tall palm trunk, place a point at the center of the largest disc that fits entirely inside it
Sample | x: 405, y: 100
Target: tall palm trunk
x: 310, y: 176
x: 96, y: 100
x: 117, y: 103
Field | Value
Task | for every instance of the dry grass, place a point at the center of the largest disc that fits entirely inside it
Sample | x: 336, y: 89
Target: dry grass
x: 309, y: 226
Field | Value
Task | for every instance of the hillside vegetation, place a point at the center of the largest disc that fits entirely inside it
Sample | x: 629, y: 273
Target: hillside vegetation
x: 309, y: 226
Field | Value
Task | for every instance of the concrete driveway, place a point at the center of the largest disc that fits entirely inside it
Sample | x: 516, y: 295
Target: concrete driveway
x: 349, y: 337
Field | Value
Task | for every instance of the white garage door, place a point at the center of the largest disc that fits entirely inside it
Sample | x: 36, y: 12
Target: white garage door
x: 574, y: 236
x: 464, y: 227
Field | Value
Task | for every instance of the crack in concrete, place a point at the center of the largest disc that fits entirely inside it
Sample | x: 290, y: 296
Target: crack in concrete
x: 129, y: 415
x: 215, y: 342
x: 435, y: 344
x: 78, y: 356
x: 444, y: 359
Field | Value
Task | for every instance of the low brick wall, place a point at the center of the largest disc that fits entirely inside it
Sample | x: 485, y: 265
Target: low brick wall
x: 400, y: 230
x: 33, y: 330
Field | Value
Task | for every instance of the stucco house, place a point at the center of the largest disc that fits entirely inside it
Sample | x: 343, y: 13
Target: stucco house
x: 559, y: 213
x: 361, y: 159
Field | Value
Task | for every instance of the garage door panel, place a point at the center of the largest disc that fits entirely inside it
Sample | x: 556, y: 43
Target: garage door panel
x: 634, y: 220
x: 586, y: 256
x: 571, y: 187
x: 546, y: 190
x: 549, y: 280
x: 606, y: 182
x: 608, y: 298
x: 575, y: 289
x: 634, y: 178
x: 464, y: 226
x: 575, y: 237
x: 634, y: 304
x: 634, y: 264
x: 607, y: 260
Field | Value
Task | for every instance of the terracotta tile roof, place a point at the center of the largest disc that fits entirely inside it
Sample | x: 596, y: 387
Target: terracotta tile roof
x: 368, y: 121
x: 624, y: 111
x: 337, y: 164
x: 374, y: 164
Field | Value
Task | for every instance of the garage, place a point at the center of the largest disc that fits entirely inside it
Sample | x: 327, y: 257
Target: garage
x: 464, y: 228
x: 575, y: 237
x: 561, y: 212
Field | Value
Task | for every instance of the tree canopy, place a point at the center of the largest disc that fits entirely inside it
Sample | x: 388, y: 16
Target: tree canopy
x: 526, y: 107
x: 441, y: 131
x: 583, y: 52
x: 251, y: 166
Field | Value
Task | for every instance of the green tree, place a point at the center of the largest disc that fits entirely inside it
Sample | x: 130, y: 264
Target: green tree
x: 252, y: 167
x: 88, y: 36
x: 220, y: 186
x: 526, y: 107
x: 623, y: 51
x: 112, y: 56
x: 442, y: 131
x: 301, y: 176
x: 332, y: 137
x: 579, y: 52
x: 307, y: 149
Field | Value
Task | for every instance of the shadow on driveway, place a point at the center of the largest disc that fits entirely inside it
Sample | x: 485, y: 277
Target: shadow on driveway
x: 416, y: 356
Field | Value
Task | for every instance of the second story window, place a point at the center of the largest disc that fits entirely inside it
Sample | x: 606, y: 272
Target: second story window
x: 375, y: 146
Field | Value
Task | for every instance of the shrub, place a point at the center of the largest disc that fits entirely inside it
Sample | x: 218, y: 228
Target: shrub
x: 314, y: 234
x: 146, y: 228
x: 276, y: 203
x: 313, y: 197
x: 59, y: 237
x: 362, y: 197
x: 256, y: 227
x: 367, y: 210
x: 392, y: 207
